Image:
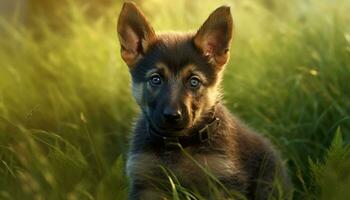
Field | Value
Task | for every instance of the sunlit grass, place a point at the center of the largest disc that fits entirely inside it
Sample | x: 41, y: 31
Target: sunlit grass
x: 66, y: 109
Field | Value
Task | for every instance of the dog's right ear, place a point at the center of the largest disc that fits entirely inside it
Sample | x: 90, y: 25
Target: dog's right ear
x: 214, y: 37
x: 134, y: 33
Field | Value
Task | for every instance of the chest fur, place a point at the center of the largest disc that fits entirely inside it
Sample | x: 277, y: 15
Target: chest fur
x: 187, y: 167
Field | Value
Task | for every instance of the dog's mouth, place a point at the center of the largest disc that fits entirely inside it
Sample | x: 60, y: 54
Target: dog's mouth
x: 168, y: 130
x: 172, y: 129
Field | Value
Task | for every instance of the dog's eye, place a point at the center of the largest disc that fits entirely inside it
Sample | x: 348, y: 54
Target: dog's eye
x: 194, y: 82
x: 155, y: 80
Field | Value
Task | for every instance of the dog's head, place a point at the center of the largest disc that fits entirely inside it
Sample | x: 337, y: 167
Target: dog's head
x: 175, y: 76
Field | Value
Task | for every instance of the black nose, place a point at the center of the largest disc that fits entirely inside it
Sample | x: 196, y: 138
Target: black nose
x: 172, y: 115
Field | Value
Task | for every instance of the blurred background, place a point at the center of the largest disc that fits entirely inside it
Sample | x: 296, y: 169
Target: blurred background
x: 66, y: 110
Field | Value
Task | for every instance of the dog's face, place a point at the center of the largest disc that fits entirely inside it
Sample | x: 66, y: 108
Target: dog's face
x: 175, y: 77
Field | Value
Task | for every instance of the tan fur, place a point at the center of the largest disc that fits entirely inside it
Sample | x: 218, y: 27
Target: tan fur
x: 162, y: 66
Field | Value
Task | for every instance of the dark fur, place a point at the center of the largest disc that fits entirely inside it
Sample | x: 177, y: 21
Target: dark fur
x: 239, y: 158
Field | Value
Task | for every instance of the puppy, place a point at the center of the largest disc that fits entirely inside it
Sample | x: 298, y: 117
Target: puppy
x: 184, y: 131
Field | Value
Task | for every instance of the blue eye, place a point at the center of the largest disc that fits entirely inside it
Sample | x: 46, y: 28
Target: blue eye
x: 194, y: 82
x: 155, y: 80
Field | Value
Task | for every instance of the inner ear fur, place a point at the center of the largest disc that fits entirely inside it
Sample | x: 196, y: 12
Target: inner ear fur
x: 214, y: 37
x: 134, y: 32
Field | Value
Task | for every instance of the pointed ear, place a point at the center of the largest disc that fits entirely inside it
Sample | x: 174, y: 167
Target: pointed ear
x: 214, y: 37
x: 134, y: 33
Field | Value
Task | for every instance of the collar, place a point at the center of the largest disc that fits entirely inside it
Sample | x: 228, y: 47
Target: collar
x: 203, y: 135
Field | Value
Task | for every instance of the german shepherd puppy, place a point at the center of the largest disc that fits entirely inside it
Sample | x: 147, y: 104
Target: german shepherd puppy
x: 184, y: 129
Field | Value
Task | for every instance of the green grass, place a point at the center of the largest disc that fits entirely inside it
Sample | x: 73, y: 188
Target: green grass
x: 66, y: 109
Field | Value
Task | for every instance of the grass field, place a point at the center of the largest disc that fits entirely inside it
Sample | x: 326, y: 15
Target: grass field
x: 66, y: 109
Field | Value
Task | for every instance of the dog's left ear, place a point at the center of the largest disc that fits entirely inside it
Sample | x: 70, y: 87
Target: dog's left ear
x: 214, y: 37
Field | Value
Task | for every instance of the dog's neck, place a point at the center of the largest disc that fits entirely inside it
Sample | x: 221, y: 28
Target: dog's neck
x: 198, y: 133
